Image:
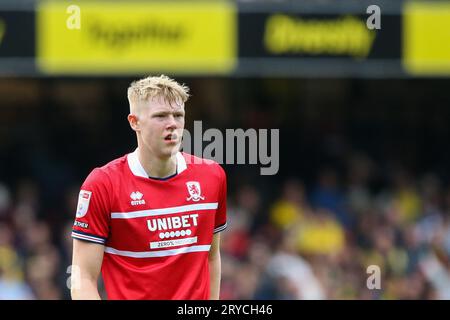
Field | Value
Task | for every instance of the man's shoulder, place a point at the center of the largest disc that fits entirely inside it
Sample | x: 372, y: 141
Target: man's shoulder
x: 114, y: 165
x: 202, y: 165
x: 108, y: 170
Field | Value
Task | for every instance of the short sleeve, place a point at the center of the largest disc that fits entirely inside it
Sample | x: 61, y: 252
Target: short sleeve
x: 220, y: 223
x: 93, y: 209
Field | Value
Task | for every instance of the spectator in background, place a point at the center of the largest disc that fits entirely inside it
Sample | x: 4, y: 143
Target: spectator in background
x: 12, y: 279
x: 293, y: 275
x: 328, y: 195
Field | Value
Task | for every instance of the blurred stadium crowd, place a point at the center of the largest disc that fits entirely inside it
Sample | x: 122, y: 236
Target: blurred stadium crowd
x: 315, y: 243
x: 336, y: 207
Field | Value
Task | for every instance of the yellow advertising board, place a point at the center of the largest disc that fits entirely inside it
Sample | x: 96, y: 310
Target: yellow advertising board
x: 426, y: 38
x: 121, y: 37
x: 2, y: 30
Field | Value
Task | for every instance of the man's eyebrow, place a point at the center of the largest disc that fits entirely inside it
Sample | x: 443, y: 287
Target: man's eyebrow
x: 165, y: 112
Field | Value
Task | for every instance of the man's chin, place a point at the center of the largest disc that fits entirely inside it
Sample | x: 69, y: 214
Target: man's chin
x: 168, y: 152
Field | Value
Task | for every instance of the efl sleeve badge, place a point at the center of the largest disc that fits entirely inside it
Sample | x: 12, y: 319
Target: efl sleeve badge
x: 83, y: 203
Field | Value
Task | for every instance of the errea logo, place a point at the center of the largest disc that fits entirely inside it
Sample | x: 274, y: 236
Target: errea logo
x: 136, y: 197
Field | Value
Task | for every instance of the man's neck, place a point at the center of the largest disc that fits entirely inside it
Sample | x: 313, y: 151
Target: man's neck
x: 156, y: 167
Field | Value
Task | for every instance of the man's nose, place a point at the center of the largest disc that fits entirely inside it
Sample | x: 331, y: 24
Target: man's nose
x: 171, y: 123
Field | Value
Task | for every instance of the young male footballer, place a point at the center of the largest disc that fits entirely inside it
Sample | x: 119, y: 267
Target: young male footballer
x: 149, y: 221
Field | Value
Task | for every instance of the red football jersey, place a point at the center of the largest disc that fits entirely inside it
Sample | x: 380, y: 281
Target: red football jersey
x: 157, y: 233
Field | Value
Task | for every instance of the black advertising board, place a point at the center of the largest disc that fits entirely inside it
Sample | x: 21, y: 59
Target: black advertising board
x: 17, y: 42
x: 303, y: 44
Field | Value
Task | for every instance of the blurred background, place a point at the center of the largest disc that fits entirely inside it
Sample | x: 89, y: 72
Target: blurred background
x: 364, y: 135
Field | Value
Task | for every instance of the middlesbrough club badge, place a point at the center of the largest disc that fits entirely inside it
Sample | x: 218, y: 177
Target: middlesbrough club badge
x: 195, y: 193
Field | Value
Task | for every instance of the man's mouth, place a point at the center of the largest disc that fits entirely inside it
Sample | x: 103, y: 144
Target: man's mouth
x: 171, y: 137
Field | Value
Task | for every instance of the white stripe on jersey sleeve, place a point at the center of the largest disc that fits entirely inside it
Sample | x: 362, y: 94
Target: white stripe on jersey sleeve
x: 220, y: 228
x: 87, y: 238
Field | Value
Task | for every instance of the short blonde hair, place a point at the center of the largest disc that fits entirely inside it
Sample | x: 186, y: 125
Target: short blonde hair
x: 156, y: 87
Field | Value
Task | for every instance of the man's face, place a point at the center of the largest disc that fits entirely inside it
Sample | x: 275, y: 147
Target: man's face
x: 161, y: 127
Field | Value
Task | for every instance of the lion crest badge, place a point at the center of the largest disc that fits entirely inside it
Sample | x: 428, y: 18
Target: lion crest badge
x: 195, y: 192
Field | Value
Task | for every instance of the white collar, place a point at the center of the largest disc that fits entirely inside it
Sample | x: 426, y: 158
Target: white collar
x: 138, y: 170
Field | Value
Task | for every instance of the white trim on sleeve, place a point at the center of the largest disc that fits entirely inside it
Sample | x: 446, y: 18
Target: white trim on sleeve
x: 86, y: 237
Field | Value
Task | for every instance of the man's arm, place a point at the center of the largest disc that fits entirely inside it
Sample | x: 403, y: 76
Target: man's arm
x: 86, y: 264
x: 215, y: 267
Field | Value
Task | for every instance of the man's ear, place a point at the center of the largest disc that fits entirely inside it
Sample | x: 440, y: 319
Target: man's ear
x: 134, y: 122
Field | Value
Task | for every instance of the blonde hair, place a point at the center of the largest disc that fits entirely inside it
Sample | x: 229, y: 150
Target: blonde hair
x: 156, y: 87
